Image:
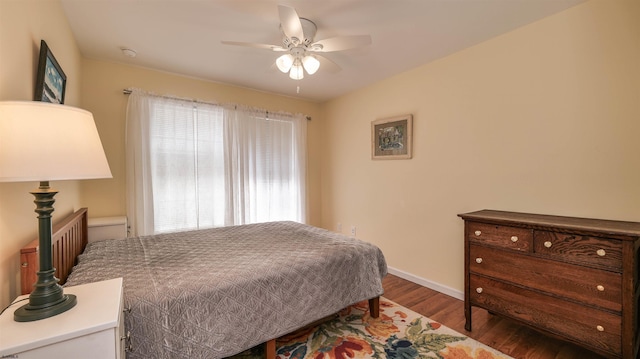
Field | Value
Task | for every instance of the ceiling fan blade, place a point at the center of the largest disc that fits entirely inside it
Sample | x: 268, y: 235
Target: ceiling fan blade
x: 290, y: 22
x: 341, y: 43
x: 327, y: 65
x: 254, y: 45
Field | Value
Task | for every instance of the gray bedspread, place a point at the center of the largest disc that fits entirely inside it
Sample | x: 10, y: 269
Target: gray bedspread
x: 213, y: 293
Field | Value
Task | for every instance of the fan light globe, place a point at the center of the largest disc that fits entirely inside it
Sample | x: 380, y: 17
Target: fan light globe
x: 311, y: 64
x: 297, y: 72
x: 284, y: 62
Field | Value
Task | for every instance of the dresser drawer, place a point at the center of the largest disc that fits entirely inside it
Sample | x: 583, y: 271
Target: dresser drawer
x: 593, y: 251
x: 585, y: 285
x: 514, y: 238
x: 584, y: 325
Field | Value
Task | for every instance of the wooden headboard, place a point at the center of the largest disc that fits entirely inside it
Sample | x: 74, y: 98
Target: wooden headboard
x: 68, y: 239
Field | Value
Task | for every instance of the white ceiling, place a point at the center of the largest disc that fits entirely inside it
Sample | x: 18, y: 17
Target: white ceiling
x: 183, y: 36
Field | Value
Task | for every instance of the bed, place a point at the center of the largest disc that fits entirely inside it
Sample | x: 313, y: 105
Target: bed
x: 216, y: 292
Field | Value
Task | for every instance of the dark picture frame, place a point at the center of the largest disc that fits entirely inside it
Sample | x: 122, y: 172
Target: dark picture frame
x: 50, y: 79
x: 391, y: 138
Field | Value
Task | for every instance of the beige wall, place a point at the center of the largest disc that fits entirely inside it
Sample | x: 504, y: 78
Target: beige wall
x: 102, y: 87
x: 23, y: 24
x: 544, y: 119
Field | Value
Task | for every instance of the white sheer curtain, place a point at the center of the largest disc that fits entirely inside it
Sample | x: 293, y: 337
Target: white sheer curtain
x: 265, y: 157
x: 196, y: 165
x: 138, y: 165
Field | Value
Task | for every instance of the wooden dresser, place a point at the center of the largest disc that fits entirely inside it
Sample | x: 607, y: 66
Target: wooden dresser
x: 572, y: 278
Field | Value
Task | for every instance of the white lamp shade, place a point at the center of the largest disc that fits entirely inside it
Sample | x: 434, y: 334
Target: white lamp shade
x: 284, y: 62
x: 311, y: 64
x: 41, y: 141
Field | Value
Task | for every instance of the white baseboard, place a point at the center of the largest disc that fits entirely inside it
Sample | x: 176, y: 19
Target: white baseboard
x: 427, y: 283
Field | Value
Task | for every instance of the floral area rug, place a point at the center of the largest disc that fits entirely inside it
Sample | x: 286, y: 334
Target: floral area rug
x: 398, y: 333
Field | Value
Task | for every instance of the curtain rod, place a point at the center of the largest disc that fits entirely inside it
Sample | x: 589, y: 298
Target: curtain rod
x: 129, y: 91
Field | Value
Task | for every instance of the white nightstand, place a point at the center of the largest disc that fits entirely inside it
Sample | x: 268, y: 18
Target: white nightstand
x: 94, y: 328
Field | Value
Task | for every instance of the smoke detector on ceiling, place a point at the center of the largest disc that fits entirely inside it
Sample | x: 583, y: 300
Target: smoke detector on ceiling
x: 128, y: 52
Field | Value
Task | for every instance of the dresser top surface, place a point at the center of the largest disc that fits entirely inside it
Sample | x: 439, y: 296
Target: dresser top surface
x: 603, y: 226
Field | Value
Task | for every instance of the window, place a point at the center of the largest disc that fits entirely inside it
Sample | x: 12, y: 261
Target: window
x: 195, y: 165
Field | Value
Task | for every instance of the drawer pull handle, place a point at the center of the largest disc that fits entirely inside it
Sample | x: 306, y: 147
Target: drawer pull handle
x: 600, y: 288
x: 548, y: 244
x: 600, y: 328
x: 601, y: 252
x: 479, y: 290
x: 478, y: 260
x: 477, y: 233
x: 127, y: 310
x: 514, y: 239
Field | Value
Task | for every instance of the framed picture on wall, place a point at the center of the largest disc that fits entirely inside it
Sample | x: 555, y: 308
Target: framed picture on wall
x: 391, y: 138
x: 50, y: 79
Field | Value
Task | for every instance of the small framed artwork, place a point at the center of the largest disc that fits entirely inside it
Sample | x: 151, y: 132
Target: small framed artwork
x: 391, y: 138
x: 50, y: 79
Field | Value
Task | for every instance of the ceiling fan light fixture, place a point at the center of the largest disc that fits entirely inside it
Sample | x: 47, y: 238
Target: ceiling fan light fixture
x: 311, y: 64
x: 297, y: 72
x: 284, y: 63
x: 302, y: 51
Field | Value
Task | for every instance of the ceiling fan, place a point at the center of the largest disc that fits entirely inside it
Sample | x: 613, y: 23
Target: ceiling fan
x: 302, y: 53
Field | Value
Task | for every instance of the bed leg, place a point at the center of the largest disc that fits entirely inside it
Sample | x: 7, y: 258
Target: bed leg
x: 374, y: 307
x: 270, y: 349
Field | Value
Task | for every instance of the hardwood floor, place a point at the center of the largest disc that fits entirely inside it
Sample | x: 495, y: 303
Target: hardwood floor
x: 502, y: 334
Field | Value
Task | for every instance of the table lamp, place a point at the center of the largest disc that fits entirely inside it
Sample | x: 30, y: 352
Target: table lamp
x: 41, y: 141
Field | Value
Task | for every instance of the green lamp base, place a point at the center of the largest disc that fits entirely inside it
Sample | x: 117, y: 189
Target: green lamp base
x: 29, y: 313
x: 47, y: 298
